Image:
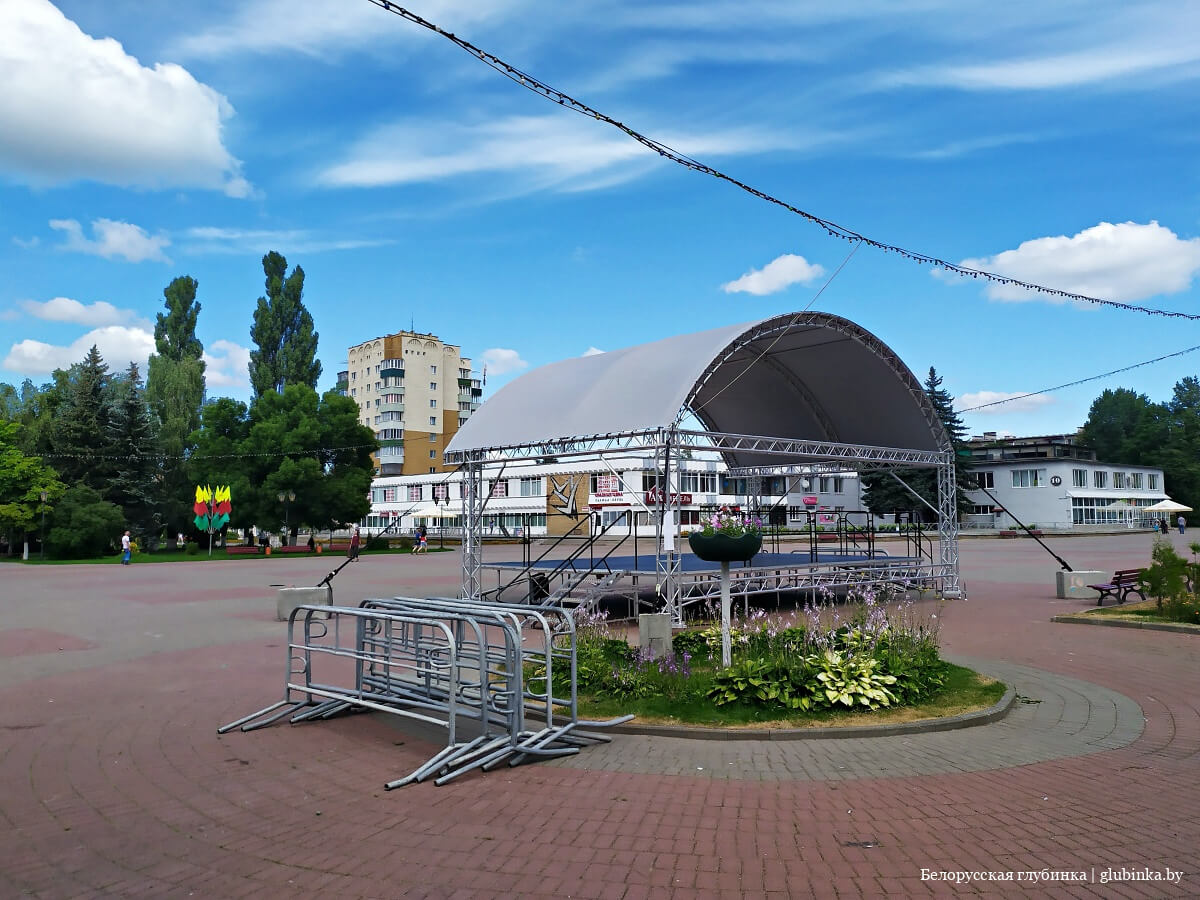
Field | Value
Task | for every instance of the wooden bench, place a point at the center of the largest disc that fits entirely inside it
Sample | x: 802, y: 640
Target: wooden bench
x: 1124, y: 582
x: 339, y: 548
x: 243, y: 550
x: 294, y: 548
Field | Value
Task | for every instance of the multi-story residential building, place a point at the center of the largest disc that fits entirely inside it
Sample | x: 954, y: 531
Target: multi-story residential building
x: 414, y: 391
x: 1053, y: 482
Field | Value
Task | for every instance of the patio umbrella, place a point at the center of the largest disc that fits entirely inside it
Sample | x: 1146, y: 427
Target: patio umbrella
x: 1167, y: 506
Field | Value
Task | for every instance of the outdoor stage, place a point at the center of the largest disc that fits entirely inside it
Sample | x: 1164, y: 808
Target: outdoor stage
x: 588, y: 583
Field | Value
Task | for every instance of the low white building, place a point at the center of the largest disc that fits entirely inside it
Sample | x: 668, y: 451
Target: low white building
x: 586, y: 496
x: 1052, y: 482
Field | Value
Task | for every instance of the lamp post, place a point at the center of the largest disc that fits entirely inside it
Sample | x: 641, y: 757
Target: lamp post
x: 286, y: 497
x: 42, y: 533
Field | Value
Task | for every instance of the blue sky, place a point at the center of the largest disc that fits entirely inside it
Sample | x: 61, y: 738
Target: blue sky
x: 1053, y: 141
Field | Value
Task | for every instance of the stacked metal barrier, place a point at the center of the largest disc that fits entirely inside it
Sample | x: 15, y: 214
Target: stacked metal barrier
x: 442, y: 661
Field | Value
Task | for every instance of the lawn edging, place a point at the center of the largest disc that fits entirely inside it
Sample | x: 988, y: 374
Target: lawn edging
x: 1115, y: 622
x: 993, y: 713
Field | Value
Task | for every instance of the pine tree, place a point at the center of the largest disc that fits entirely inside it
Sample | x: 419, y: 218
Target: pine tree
x: 283, y: 332
x: 79, y: 434
x: 133, y: 435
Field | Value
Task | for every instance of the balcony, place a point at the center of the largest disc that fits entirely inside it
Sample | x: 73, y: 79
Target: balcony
x: 392, y: 368
x: 390, y: 434
x: 391, y: 406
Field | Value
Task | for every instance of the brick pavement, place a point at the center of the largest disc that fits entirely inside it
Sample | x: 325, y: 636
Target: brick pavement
x: 115, y: 783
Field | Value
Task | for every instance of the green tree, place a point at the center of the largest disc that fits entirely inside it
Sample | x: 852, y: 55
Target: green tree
x: 133, y: 437
x: 882, y: 494
x: 283, y: 332
x: 1180, y: 451
x: 217, y: 457
x: 84, y: 525
x: 1125, y: 427
x: 175, y: 389
x: 175, y: 332
x: 23, y: 478
x: 79, y: 435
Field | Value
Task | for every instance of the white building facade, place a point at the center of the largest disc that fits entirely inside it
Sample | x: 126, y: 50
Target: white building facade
x: 1051, y: 482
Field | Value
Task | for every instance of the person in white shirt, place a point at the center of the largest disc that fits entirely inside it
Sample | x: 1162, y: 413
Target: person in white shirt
x: 125, y: 549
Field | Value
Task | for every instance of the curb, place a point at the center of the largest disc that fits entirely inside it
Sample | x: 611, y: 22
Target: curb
x: 949, y: 723
x: 1109, y: 622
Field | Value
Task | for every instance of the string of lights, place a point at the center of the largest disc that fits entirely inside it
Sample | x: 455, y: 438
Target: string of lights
x: 1069, y: 384
x: 196, y: 456
x: 833, y: 229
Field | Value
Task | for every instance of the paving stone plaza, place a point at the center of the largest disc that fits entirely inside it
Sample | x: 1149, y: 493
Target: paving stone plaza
x: 113, y: 681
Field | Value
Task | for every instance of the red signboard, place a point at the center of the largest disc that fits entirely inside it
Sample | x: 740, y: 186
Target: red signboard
x: 809, y: 501
x: 654, y: 496
x: 608, y: 486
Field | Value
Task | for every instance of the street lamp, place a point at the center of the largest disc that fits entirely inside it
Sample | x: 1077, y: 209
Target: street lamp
x: 42, y: 534
x: 286, y: 497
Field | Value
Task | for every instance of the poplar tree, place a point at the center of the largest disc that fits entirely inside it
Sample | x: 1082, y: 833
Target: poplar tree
x: 282, y: 332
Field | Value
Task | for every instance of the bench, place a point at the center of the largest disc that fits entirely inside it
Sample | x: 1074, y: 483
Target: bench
x: 294, y: 548
x: 1124, y: 582
x: 338, y: 548
x: 243, y: 550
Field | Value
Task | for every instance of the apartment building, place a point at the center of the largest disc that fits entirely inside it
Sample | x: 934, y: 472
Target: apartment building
x: 414, y: 391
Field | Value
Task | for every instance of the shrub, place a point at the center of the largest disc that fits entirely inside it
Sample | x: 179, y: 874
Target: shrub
x: 376, y: 542
x: 84, y: 525
x: 693, y: 642
x: 191, y: 548
x: 404, y: 542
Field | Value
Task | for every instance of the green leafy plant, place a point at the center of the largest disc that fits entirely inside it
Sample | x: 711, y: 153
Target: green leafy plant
x: 693, y: 642
x: 854, y: 680
x: 191, y: 548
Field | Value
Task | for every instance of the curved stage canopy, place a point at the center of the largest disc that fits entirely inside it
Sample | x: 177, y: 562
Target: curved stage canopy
x: 806, y: 376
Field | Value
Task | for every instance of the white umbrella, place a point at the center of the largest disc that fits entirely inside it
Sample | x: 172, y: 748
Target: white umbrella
x: 1167, y: 506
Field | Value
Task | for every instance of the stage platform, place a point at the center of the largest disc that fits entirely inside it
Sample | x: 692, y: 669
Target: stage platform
x: 644, y: 564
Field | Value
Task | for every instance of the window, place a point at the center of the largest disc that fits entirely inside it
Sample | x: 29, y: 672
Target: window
x: 698, y: 482
x: 608, y: 485
x: 1023, y: 478
x: 433, y: 370
x: 433, y: 470
x: 499, y: 488
x: 531, y: 487
x: 378, y: 385
x: 433, y: 420
x: 1135, y: 480
x: 1118, y: 480
x: 1100, y: 479
x: 1152, y: 481
x: 735, y: 486
x: 441, y: 492
x: 433, y: 437
x: 389, y: 495
x: 831, y: 484
x: 689, y: 517
x: 433, y: 404
x: 649, y: 481
x: 414, y: 492
x: 433, y: 385
x: 353, y: 392
x: 433, y: 454
x: 986, y: 479
x: 354, y: 376
x: 1079, y: 478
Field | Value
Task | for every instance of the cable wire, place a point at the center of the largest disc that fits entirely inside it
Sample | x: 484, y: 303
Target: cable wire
x: 1060, y: 387
x: 831, y: 228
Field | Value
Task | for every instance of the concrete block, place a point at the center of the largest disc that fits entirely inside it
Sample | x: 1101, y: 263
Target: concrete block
x: 654, y: 633
x: 1074, y: 585
x: 291, y: 597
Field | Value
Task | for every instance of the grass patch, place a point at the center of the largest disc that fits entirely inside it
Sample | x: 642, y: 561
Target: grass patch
x: 1134, y: 612
x: 965, y: 691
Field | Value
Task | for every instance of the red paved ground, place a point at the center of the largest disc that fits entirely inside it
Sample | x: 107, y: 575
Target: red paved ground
x: 115, y: 783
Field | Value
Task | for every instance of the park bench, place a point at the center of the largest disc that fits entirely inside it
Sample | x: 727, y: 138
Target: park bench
x: 243, y: 550
x: 1124, y: 582
x: 294, y: 548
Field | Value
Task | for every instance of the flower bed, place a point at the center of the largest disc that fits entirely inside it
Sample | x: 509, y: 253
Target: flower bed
x: 865, y: 655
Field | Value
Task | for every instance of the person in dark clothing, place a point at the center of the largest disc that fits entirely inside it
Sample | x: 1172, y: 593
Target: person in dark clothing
x: 353, y: 553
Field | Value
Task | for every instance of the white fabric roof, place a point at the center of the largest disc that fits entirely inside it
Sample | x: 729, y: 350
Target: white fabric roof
x: 807, y: 376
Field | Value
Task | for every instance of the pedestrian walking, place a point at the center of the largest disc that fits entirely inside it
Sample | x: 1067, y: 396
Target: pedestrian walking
x: 1182, y: 523
x: 422, y: 541
x: 127, y: 549
x: 353, y: 553
x: 1162, y: 525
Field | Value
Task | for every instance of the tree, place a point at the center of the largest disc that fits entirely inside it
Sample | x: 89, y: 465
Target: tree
x: 1180, y: 451
x: 175, y: 389
x: 1125, y: 427
x: 216, y: 457
x: 84, y: 525
x: 175, y: 333
x: 23, y: 478
x: 283, y: 332
x: 883, y: 494
x: 79, y: 435
x: 133, y: 437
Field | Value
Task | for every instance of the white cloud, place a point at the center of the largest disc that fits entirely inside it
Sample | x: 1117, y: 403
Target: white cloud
x: 118, y: 345
x: 1063, y: 70
x: 500, y: 361
x: 111, y: 239
x: 982, y: 398
x: 77, y: 107
x: 1124, y: 262
x: 776, y: 275
x: 27, y: 244
x: 592, y: 351
x: 210, y: 239
x: 226, y: 365
x: 553, y: 151
x: 64, y: 309
x: 319, y: 27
